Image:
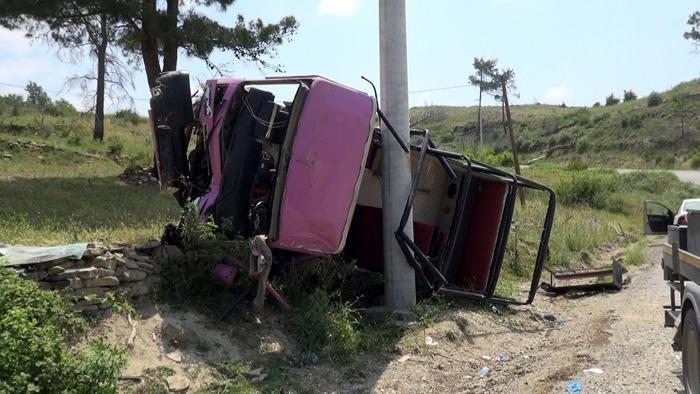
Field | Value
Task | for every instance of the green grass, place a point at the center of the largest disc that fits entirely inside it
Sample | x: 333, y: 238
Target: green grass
x: 629, y: 134
x: 65, y: 187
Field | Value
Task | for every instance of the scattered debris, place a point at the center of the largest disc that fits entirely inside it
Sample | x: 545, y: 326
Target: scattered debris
x: 132, y: 334
x: 175, y: 356
x: 581, y: 280
x: 137, y: 175
x: 501, y: 358
x: 592, y: 371
x: 405, y: 358
x: 177, y: 383
x: 484, y: 372
x: 429, y: 341
x: 255, y: 372
x: 574, y: 387
x: 486, y: 358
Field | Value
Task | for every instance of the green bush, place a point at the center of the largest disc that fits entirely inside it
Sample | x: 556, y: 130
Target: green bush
x: 447, y: 138
x: 115, y: 147
x: 576, y: 165
x: 35, y: 329
x: 632, y: 121
x: 325, y: 325
x: 629, y: 95
x: 654, y: 99
x: 611, y: 100
x: 128, y: 115
x: 587, y: 189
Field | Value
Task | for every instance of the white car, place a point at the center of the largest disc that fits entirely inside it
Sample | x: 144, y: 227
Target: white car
x: 681, y: 217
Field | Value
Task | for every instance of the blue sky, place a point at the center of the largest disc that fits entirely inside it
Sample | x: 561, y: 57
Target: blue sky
x: 562, y: 51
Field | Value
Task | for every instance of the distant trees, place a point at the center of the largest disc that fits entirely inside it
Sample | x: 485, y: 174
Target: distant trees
x: 483, y: 78
x: 629, y: 95
x: 36, y: 95
x: 596, y: 104
x: 611, y: 100
x: 654, y: 99
x: 145, y: 31
x: 680, y: 108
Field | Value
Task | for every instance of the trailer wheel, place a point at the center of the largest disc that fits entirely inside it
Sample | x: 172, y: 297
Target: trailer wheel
x: 691, y: 353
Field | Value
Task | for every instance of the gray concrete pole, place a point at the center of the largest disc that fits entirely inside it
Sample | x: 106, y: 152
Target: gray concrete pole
x: 400, y: 282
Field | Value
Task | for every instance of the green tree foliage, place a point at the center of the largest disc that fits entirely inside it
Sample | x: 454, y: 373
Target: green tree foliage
x: 694, y: 33
x: 36, y: 95
x: 611, y: 100
x: 156, y: 35
x: 654, y: 99
x: 629, y: 95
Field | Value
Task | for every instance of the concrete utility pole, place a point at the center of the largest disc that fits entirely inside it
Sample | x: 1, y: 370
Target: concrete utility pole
x: 399, y: 278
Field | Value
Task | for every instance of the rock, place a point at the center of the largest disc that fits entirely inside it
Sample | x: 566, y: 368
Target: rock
x: 61, y: 284
x: 57, y: 269
x: 175, y: 356
x: 177, y: 383
x: 146, y: 266
x: 131, y: 264
x: 180, y: 336
x: 105, y: 262
x: 104, y: 272
x: 82, y: 273
x: 98, y: 291
x: 132, y: 275
x: 147, y: 246
x: 90, y: 301
x: 137, y: 289
x: 259, y: 379
x: 255, y: 372
x: 32, y: 275
x: 107, y: 281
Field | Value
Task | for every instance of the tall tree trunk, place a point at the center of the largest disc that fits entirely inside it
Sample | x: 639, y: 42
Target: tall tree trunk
x: 99, y: 132
x: 170, y: 40
x: 149, y: 41
x: 478, y: 115
x: 513, y: 145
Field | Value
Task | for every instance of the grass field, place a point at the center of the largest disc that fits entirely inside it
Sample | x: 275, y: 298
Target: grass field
x: 65, y: 188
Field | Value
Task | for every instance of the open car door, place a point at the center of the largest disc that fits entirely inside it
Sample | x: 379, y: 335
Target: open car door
x: 657, y: 218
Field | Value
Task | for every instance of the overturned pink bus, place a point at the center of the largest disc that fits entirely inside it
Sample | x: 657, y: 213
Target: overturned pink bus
x: 307, y: 173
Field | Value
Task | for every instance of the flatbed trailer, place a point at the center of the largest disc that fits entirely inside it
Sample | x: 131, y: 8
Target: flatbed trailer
x: 681, y: 270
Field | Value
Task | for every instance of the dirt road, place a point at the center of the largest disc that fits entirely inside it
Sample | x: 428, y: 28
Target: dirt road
x: 691, y: 176
x: 620, y: 333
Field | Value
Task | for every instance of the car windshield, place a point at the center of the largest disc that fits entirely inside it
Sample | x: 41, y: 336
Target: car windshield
x: 692, y: 205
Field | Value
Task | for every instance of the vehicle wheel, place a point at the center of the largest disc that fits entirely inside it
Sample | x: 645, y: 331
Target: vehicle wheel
x: 691, y: 353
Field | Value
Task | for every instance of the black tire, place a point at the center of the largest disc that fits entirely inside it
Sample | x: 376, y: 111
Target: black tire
x: 691, y: 353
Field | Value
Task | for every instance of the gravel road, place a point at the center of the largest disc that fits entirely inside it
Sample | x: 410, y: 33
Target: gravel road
x: 684, y: 175
x: 551, y: 343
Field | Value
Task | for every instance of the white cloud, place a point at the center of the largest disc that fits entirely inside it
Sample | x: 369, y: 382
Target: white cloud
x: 337, y: 7
x: 556, y: 94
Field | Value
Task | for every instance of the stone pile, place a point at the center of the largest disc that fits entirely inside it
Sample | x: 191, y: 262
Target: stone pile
x: 137, y: 175
x: 91, y: 282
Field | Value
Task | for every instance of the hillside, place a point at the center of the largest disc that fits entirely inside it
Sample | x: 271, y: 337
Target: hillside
x: 631, y: 134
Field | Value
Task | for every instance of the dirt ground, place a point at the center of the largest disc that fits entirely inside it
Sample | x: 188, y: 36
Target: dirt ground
x: 546, y: 346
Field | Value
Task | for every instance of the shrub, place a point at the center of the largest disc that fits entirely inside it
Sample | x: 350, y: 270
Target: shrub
x: 596, y: 104
x: 633, y: 121
x: 115, y: 147
x: 128, y: 115
x: 582, y: 146
x: 695, y: 160
x: 63, y: 108
x: 35, y: 328
x: 576, y: 165
x: 588, y: 189
x: 654, y: 99
x: 611, y: 100
x: 325, y: 325
x: 629, y: 95
x: 447, y: 138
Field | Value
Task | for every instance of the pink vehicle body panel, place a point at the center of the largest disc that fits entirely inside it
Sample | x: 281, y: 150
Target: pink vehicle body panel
x: 325, y: 168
